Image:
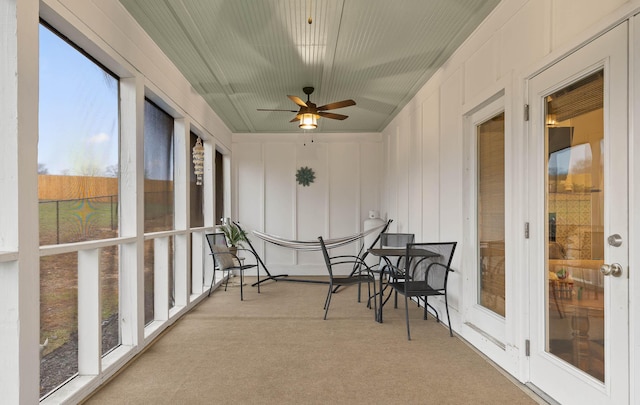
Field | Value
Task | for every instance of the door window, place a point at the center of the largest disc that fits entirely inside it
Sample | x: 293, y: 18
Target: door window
x: 491, y: 260
x: 574, y: 208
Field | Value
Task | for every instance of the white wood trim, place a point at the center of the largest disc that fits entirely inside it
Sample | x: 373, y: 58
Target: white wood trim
x: 181, y: 172
x: 51, y: 250
x: 483, y: 319
x: 161, y: 279
x: 8, y: 256
x: 181, y: 269
x: 131, y: 221
x: 208, y: 182
x: 19, y: 278
x: 182, y: 217
x: 197, y: 262
x: 89, y: 321
x: 230, y: 193
x: 634, y: 201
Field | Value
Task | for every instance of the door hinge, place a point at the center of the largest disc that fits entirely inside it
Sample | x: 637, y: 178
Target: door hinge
x: 526, y: 230
x: 527, y: 348
x: 526, y: 112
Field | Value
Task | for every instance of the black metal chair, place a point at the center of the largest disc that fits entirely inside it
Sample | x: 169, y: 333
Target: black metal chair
x: 362, y: 254
x: 362, y: 275
x: 396, y: 240
x: 226, y: 261
x: 425, y: 273
x: 392, y: 240
x: 270, y: 276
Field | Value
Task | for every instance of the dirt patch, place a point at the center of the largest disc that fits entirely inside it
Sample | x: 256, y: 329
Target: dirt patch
x: 62, y: 363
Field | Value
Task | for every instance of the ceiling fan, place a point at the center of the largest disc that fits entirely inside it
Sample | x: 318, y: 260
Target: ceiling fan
x: 308, y: 113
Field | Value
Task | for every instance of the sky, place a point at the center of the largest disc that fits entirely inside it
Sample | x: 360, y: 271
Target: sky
x: 78, y: 111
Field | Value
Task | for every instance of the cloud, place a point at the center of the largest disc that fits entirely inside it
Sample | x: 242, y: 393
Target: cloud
x: 99, y: 138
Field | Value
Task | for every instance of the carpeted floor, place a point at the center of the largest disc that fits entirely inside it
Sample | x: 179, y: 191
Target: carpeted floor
x: 275, y: 348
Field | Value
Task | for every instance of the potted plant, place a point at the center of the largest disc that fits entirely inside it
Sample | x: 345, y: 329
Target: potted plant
x: 235, y: 236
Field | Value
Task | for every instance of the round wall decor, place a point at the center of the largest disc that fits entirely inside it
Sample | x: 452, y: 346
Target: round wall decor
x: 305, y: 176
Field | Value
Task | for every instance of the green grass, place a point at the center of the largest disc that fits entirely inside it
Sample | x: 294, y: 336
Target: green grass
x: 76, y: 221
x: 66, y: 222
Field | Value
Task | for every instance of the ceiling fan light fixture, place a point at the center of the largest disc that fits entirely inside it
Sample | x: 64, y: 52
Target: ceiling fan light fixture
x: 309, y: 121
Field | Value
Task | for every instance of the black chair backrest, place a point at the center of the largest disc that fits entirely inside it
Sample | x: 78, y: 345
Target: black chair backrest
x: 399, y: 240
x: 364, y: 253
x: 217, y: 239
x: 430, y: 262
x: 396, y: 240
x: 327, y: 259
x: 251, y: 246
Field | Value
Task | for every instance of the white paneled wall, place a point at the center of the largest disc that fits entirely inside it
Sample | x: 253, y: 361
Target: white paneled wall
x: 569, y: 19
x: 249, y: 198
x: 424, y: 144
x: 344, y: 192
x: 371, y: 177
x: 450, y: 157
x: 279, y: 197
x: 430, y: 207
x: 348, y: 181
x: 527, y: 26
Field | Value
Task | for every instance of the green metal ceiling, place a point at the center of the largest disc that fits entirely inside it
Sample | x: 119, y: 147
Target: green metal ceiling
x: 241, y: 55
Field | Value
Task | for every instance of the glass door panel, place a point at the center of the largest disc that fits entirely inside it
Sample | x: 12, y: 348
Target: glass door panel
x: 491, y: 261
x: 574, y: 206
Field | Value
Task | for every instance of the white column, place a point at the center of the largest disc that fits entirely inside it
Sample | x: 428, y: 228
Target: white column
x: 19, y: 270
x: 181, y: 184
x: 229, y: 210
x: 132, y: 210
x: 208, y: 183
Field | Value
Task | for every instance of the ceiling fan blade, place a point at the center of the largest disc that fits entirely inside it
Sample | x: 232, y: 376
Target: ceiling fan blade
x: 337, y: 104
x: 332, y: 115
x: 266, y: 109
x: 296, y: 119
x: 298, y: 101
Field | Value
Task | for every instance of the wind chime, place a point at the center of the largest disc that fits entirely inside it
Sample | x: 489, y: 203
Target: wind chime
x: 198, y: 161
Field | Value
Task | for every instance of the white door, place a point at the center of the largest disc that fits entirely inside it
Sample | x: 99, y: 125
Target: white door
x: 485, y: 293
x: 578, y: 215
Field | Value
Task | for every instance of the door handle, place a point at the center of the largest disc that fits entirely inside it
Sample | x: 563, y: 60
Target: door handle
x: 615, y: 240
x: 614, y: 269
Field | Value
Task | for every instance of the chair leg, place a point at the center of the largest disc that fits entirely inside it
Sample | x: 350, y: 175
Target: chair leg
x: 258, y: 275
x: 375, y: 303
x: 382, y: 302
x: 406, y: 312
x: 359, y: 289
x: 388, y: 297
x: 226, y: 282
x: 433, y: 309
x: 213, y: 280
x: 446, y: 305
x: 241, y: 282
x: 327, y: 302
x: 326, y: 299
x: 425, y: 306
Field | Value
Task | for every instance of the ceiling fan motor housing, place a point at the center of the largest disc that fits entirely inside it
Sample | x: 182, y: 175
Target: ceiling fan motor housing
x: 309, y: 111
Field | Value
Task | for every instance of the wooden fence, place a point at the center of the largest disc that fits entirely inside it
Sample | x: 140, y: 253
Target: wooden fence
x: 56, y: 188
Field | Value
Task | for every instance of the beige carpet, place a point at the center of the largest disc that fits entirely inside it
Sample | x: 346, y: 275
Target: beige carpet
x: 275, y: 348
